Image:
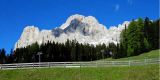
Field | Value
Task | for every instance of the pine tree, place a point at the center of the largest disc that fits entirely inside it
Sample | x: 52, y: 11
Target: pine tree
x: 3, y: 56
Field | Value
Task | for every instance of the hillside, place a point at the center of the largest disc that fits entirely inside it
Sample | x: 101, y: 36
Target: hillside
x: 146, y: 55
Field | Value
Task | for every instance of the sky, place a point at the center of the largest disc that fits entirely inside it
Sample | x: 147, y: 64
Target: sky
x: 15, y: 15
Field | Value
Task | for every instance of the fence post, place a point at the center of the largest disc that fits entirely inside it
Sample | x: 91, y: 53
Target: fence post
x: 129, y: 63
x: 17, y: 65
x: 145, y: 61
x: 112, y: 63
x: 96, y: 64
x: 49, y: 64
x: 1, y: 66
x: 33, y: 65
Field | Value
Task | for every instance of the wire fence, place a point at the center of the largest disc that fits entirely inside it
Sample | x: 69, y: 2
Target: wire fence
x: 79, y: 64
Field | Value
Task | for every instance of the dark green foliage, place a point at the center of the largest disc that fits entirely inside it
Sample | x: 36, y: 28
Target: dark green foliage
x: 10, y: 58
x: 140, y: 36
x: 2, y: 56
x: 68, y: 51
x: 113, y: 49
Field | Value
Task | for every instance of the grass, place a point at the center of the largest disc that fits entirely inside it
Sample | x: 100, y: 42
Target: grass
x: 147, y: 55
x: 146, y: 72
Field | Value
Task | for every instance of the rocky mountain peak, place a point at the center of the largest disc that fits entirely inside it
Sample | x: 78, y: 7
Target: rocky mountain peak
x: 85, y: 29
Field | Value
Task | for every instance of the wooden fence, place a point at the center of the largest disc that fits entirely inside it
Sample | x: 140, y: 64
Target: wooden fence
x: 80, y: 64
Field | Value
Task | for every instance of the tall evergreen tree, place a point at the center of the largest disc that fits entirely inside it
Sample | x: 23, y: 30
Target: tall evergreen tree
x: 3, y: 56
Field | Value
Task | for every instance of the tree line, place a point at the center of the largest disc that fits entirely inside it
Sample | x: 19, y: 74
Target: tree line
x: 140, y: 36
x: 55, y: 52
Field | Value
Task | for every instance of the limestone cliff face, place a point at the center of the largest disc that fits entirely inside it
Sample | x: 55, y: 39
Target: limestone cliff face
x: 83, y: 29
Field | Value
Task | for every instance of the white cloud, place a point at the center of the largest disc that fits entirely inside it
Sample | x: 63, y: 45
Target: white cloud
x: 116, y: 7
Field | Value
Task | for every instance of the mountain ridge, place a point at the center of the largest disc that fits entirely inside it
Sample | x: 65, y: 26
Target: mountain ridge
x: 85, y: 29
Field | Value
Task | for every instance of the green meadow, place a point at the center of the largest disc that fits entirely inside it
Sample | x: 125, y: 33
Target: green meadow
x: 146, y: 72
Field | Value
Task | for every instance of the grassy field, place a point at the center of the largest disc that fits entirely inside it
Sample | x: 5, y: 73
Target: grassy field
x: 147, y: 55
x: 147, y: 72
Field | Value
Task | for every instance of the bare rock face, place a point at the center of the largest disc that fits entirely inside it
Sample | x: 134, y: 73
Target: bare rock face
x: 29, y: 36
x: 83, y: 29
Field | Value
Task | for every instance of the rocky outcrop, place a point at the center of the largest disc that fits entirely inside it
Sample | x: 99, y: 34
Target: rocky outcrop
x: 83, y: 29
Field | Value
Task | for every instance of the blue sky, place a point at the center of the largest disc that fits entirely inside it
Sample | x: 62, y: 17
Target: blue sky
x: 47, y: 14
